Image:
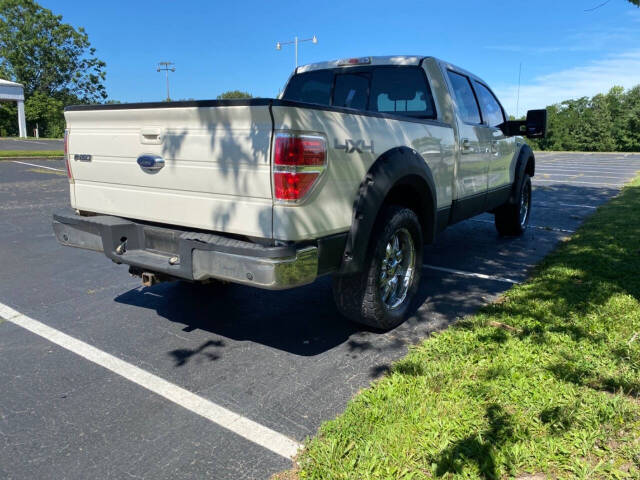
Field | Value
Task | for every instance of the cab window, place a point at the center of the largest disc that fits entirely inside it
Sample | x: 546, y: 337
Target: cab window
x: 491, y: 110
x: 464, y: 97
x: 402, y: 90
x: 310, y: 87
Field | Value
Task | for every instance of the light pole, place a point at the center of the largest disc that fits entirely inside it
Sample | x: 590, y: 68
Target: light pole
x: 167, y: 67
x: 295, y: 42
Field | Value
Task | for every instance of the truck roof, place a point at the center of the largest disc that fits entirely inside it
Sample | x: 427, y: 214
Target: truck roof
x: 381, y: 60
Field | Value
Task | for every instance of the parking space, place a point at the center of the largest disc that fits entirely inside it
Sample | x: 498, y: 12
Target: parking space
x: 284, y: 360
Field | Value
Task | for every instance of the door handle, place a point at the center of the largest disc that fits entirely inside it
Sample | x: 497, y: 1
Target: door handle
x: 465, y: 145
x: 151, y: 135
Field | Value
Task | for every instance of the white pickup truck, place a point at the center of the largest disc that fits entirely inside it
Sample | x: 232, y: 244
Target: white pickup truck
x: 354, y: 168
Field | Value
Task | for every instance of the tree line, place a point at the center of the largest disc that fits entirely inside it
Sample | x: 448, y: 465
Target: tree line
x: 608, y: 122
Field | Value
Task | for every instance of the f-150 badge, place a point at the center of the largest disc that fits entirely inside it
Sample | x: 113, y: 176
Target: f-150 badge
x: 351, y: 146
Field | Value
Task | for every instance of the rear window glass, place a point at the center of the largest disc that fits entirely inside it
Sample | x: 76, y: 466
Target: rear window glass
x: 311, y: 87
x: 351, y: 90
x: 386, y: 89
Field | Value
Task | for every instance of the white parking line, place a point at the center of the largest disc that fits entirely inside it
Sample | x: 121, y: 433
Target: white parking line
x: 471, y: 274
x: 554, y: 229
x: 575, y: 175
x: 569, y: 182
x: 631, y: 169
x: 622, y: 171
x: 36, y: 142
x: 610, y: 169
x: 39, y: 166
x: 628, y: 168
x: 545, y: 189
x: 552, y: 205
x: 248, y: 429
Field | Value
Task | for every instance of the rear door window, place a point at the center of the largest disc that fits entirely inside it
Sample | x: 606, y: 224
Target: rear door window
x: 465, y: 98
x: 401, y: 90
x: 491, y: 110
x: 310, y: 87
x: 351, y: 90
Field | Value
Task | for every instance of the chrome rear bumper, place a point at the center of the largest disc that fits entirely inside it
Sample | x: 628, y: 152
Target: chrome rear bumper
x: 189, y: 255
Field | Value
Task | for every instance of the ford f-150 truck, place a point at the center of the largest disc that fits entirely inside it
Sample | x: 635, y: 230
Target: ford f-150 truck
x: 356, y: 166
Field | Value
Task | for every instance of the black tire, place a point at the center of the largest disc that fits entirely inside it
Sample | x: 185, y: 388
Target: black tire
x: 512, y: 219
x: 359, y: 296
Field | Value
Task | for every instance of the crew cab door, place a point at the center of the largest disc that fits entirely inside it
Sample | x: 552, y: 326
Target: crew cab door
x: 474, y: 145
x: 501, y: 147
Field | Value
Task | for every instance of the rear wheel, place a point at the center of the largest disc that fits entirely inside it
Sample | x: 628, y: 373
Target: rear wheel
x: 513, y: 219
x: 382, y: 294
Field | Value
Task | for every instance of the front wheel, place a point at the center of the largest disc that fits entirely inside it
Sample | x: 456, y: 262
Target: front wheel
x: 513, y: 219
x: 382, y: 294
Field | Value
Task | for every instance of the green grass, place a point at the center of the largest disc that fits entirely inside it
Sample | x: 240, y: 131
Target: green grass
x: 542, y: 384
x: 30, y: 153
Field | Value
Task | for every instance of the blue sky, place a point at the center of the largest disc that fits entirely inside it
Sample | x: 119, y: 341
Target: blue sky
x: 566, y: 52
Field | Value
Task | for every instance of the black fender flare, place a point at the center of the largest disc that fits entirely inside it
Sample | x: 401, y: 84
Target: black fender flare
x: 396, y: 167
x: 524, y: 156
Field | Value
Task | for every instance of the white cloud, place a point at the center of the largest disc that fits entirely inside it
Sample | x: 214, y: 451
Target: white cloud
x: 596, y: 77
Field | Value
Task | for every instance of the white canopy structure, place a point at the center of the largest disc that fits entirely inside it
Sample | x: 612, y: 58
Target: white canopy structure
x: 13, y: 92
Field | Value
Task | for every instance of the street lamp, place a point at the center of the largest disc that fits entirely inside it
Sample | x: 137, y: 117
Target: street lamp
x: 295, y: 42
x: 167, y: 67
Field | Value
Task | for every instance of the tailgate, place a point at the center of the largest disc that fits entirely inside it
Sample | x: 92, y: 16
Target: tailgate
x: 216, y: 172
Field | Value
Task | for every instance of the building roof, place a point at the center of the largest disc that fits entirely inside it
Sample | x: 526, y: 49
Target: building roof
x: 11, y: 91
x: 10, y: 84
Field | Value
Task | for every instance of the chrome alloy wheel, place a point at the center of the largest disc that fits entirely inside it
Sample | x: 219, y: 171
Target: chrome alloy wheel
x: 525, y: 203
x: 397, y: 269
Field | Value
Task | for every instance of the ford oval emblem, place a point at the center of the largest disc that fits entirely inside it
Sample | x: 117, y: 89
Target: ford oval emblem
x: 150, y: 163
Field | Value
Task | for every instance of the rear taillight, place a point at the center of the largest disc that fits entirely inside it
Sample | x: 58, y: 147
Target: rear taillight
x: 298, y: 163
x: 66, y: 155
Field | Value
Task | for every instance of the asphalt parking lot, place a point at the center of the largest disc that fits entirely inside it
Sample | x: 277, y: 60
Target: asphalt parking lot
x: 30, y: 144
x: 151, y: 380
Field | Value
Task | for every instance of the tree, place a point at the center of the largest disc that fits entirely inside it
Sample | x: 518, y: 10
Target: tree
x: 234, y: 94
x: 45, y: 111
x: 54, y: 61
x: 635, y: 2
x: 605, y: 122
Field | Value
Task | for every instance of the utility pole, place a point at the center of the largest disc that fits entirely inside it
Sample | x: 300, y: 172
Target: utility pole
x: 295, y: 42
x: 167, y: 67
x: 518, y: 100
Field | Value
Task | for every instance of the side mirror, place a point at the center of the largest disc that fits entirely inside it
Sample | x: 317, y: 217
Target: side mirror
x: 535, y: 126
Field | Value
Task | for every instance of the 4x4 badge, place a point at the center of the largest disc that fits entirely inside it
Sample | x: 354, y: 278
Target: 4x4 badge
x: 351, y: 146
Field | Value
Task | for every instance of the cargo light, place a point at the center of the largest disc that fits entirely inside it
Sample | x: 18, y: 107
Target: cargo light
x: 298, y: 163
x: 355, y: 61
x: 66, y: 155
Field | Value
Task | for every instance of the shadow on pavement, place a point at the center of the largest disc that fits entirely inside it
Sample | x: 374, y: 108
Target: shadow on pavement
x: 305, y: 321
